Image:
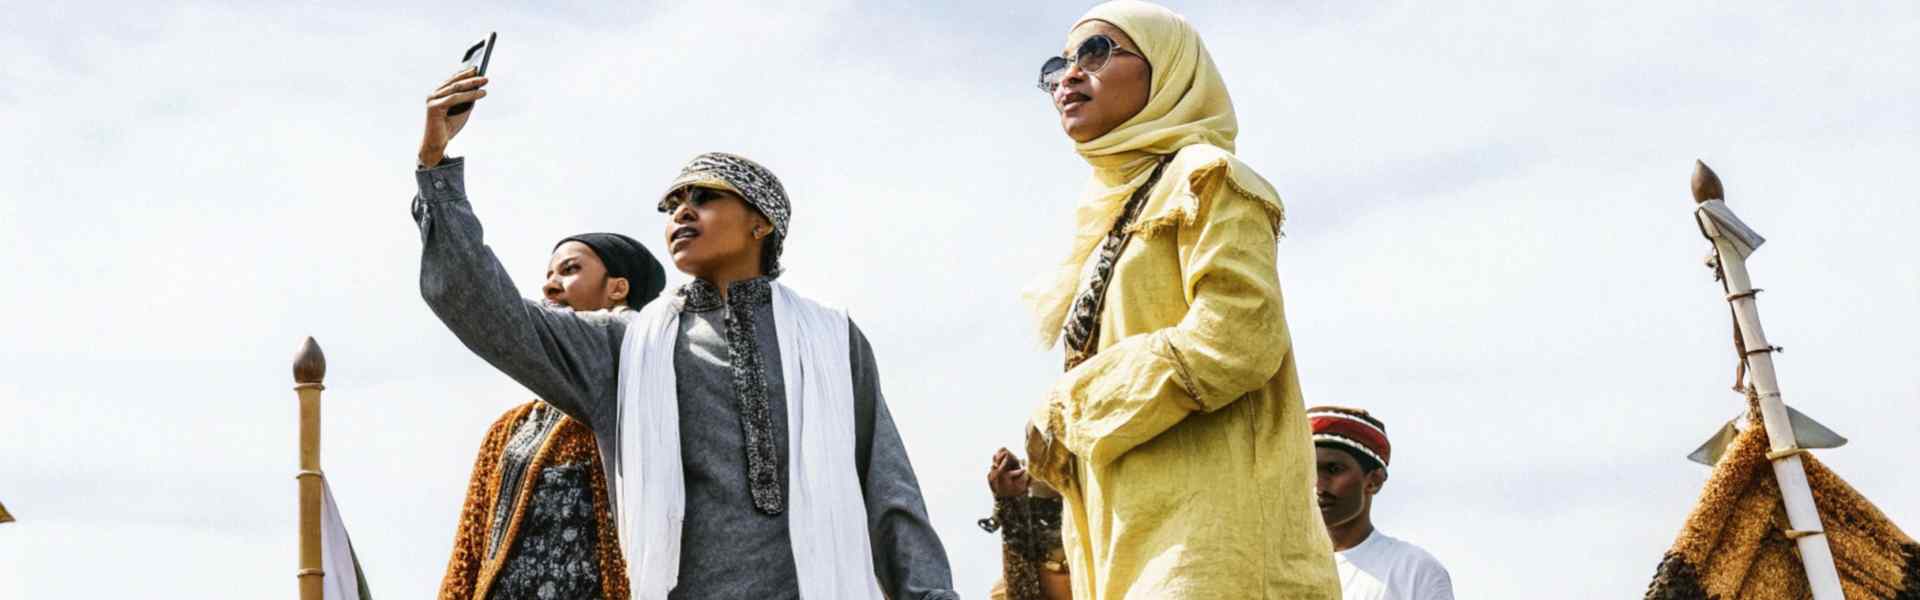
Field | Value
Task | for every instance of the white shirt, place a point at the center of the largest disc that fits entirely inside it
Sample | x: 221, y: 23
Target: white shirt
x: 1385, y: 568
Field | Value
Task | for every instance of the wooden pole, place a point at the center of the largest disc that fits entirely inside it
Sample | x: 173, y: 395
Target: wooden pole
x: 309, y: 369
x: 1802, y: 514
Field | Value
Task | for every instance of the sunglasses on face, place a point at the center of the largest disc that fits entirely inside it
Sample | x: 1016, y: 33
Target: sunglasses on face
x: 692, y: 195
x: 1091, y: 57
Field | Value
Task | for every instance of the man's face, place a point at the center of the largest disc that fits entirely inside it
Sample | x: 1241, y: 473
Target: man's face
x: 710, y: 231
x: 1344, y: 491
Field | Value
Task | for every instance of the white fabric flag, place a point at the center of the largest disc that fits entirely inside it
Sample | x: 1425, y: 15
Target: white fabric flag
x: 342, y: 580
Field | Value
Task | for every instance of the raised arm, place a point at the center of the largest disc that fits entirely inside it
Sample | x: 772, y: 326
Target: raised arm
x: 569, y: 359
x: 1231, y: 341
x: 907, y: 554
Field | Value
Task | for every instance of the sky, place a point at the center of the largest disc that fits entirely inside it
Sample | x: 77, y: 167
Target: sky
x: 1489, y: 245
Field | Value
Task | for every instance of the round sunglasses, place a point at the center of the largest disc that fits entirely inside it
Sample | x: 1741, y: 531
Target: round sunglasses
x: 1091, y: 57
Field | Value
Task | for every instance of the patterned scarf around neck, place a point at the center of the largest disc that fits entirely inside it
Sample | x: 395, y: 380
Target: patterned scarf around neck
x: 1082, y: 329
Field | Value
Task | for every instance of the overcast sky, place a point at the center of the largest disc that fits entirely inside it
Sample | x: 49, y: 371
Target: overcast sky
x: 1489, y: 246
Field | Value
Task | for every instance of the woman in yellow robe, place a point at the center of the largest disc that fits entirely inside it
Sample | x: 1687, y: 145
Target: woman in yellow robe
x: 1177, y: 436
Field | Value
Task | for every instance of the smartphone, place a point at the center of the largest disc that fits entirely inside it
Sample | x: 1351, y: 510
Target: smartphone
x: 477, y: 57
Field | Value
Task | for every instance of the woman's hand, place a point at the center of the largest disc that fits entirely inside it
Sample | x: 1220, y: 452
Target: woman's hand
x: 1006, y: 479
x: 462, y: 88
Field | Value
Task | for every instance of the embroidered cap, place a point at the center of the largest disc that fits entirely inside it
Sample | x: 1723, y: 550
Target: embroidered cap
x: 740, y: 176
x: 1351, y: 428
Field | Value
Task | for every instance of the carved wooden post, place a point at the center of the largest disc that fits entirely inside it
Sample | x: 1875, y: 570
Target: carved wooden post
x: 309, y: 369
x: 1732, y: 242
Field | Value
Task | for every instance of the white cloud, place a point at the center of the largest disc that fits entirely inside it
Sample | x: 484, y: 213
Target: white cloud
x: 1488, y: 246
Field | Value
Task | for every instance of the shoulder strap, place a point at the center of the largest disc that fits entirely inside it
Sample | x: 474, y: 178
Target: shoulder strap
x: 1082, y: 329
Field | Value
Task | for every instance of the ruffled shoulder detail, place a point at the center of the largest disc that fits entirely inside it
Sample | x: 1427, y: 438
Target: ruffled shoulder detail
x: 1194, y: 180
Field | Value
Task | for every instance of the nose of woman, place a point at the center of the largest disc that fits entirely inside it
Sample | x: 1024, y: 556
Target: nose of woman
x: 552, y: 290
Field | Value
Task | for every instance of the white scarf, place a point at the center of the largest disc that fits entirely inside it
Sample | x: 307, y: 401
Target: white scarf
x: 826, y: 512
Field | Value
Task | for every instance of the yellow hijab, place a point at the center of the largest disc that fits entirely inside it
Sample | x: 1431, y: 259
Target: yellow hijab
x: 1187, y: 101
x: 1187, y: 105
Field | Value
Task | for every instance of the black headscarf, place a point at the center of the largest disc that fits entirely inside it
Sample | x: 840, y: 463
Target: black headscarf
x: 625, y: 257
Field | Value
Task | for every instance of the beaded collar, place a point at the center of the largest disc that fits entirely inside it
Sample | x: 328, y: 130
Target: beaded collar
x: 749, y: 379
x: 702, y: 296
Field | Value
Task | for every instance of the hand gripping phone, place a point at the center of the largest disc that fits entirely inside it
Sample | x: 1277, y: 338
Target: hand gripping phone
x: 477, y: 57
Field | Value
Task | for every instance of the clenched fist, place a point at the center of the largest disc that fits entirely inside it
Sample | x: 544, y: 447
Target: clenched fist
x: 1005, y: 478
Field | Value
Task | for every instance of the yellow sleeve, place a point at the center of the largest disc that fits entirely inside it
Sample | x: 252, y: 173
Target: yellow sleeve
x: 1231, y: 341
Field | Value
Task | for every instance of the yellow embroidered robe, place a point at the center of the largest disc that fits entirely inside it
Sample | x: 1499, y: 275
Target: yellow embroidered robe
x: 1182, y: 446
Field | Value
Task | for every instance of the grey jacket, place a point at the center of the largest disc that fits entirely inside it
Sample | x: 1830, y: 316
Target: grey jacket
x: 571, y: 360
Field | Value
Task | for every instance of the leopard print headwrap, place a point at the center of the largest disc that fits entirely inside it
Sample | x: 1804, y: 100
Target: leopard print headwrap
x: 753, y: 182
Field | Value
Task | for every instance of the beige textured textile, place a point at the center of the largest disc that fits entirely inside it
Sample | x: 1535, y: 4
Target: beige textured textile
x: 1181, y: 446
x: 1188, y: 106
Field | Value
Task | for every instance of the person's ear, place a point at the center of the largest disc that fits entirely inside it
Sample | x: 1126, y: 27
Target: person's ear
x: 762, y: 227
x: 617, y: 291
x: 1376, y: 479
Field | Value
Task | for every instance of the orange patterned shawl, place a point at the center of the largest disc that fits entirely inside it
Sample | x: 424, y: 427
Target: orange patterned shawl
x: 470, y: 572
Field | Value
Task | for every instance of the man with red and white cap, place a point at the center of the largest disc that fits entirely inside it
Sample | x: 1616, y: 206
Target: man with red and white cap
x: 1352, y: 453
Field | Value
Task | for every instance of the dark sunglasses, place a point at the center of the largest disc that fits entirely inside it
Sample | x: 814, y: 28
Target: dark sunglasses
x: 1091, y: 58
x: 691, y: 195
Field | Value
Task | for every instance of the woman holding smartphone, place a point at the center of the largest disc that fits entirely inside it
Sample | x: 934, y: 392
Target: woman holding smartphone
x: 1177, y: 436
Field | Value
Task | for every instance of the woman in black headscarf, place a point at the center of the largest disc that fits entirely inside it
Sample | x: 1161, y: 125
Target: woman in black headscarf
x: 536, y: 514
